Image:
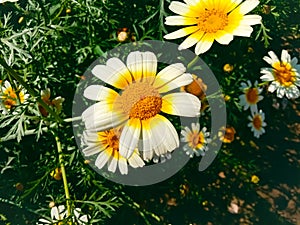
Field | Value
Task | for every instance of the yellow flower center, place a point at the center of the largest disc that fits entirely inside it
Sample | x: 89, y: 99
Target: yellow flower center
x: 140, y: 100
x: 211, y: 21
x: 252, y: 95
x: 257, y: 122
x: 110, y: 138
x: 10, y: 97
x: 196, y: 140
x: 283, y: 74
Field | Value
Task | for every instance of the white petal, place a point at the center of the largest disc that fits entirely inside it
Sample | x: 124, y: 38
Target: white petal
x: 135, y: 65
x: 92, y: 149
x: 285, y: 57
x: 112, y: 164
x: 114, y: 73
x: 272, y: 87
x: 102, y: 159
x: 204, y: 45
x: 135, y: 161
x: 180, y: 20
x: 129, y: 137
x: 181, y: 104
x: 223, y: 37
x: 181, y: 32
x: 182, y: 9
x: 248, y: 6
x: 100, y: 93
x: 191, y: 40
x: 102, y: 116
x: 164, y: 135
x: 251, y: 20
x: 147, y: 148
x: 122, y: 163
x: 180, y: 81
x: 243, y: 31
x: 149, y: 66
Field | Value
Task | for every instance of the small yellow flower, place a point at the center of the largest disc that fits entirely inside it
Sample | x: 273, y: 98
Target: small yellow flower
x: 228, y: 68
x: 19, y: 186
x: 227, y: 98
x: 228, y: 136
x: 68, y: 11
x: 254, y: 179
x: 56, y: 174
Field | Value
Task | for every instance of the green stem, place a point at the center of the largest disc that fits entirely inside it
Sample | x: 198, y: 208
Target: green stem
x: 29, y: 89
x: 64, y: 175
x: 193, y: 62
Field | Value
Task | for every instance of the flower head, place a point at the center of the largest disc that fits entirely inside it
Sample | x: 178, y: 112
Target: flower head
x: 11, y: 97
x: 227, y: 134
x: 284, y: 75
x: 257, y: 123
x: 254, y: 179
x: 228, y: 68
x: 196, y: 139
x: 251, y: 96
x: 137, y: 108
x: 59, y: 213
x: 55, y: 103
x: 208, y: 20
x: 106, y: 145
x: 2, y: 1
x: 197, y: 87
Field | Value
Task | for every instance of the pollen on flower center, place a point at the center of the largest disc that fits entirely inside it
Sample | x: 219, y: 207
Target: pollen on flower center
x: 284, y: 74
x: 211, y: 21
x: 257, y: 122
x: 140, y: 100
x: 110, y: 138
x: 252, y: 95
x: 197, y: 140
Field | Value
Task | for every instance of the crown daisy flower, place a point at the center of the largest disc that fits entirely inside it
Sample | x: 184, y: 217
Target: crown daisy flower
x: 257, y: 123
x: 59, y: 213
x: 9, y: 97
x: 56, y: 103
x: 209, y: 20
x: 284, y: 75
x: 196, y: 139
x: 138, y: 105
x: 226, y: 134
x: 251, y: 96
x: 106, y: 145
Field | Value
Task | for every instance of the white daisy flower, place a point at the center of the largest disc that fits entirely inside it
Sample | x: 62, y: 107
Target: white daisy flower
x: 106, y: 145
x: 251, y: 96
x: 9, y: 97
x: 141, y: 100
x: 59, y: 213
x: 2, y: 1
x: 196, y: 140
x: 207, y: 21
x: 257, y: 123
x: 284, y: 75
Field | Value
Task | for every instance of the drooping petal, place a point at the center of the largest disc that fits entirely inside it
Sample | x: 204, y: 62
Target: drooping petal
x: 93, y: 149
x: 181, y: 104
x: 112, y: 164
x: 100, y: 93
x: 129, y: 137
x: 135, y: 160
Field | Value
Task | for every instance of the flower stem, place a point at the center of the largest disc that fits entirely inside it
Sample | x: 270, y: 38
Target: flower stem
x: 29, y: 89
x: 64, y: 175
x: 193, y: 62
